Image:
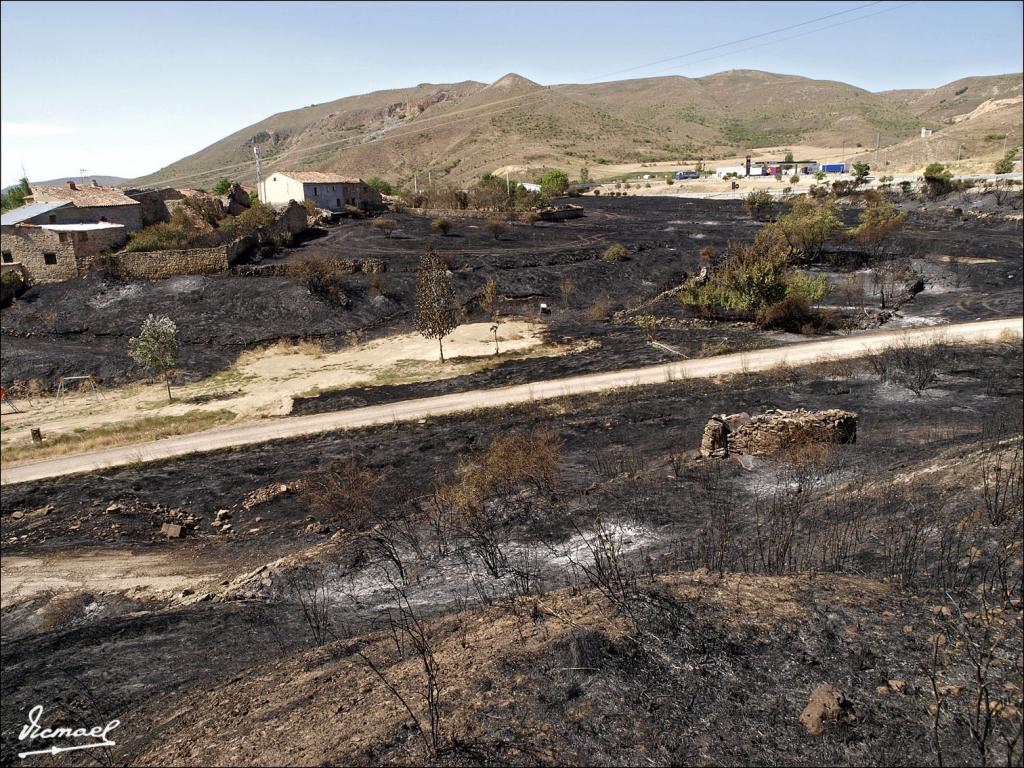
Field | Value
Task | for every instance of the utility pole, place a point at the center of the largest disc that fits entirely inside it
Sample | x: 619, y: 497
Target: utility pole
x: 259, y: 177
x: 878, y: 143
x: 81, y: 175
x: 430, y: 182
x: 415, y: 184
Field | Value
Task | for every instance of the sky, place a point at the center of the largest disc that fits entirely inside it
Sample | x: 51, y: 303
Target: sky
x: 125, y: 88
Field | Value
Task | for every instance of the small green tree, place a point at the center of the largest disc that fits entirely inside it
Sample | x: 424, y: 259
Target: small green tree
x: 381, y: 185
x: 15, y: 196
x: 794, y: 179
x: 819, y: 175
x: 937, y: 179
x: 788, y: 161
x: 1005, y: 163
x: 860, y: 173
x: 156, y: 347
x: 615, y: 252
x: 554, y: 183
x: 584, y: 174
x: 222, y: 186
x: 647, y: 325
x: 759, y: 203
x: 438, y: 311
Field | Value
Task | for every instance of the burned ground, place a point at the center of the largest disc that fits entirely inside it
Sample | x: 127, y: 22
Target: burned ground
x: 661, y: 659
x: 83, y: 325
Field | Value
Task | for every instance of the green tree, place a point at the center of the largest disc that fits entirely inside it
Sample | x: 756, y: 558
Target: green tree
x: 787, y: 163
x: 803, y: 231
x: 878, y: 222
x: 381, y: 185
x: 156, y: 347
x: 759, y: 203
x: 15, y: 196
x: 438, y: 311
x: 860, y: 173
x: 554, y: 183
x: 385, y: 225
x: 222, y: 186
x: 584, y: 174
x: 1005, y: 163
x: 937, y: 179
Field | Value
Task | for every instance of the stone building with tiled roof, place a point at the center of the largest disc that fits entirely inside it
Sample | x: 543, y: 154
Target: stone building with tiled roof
x: 330, y: 191
x: 62, y: 229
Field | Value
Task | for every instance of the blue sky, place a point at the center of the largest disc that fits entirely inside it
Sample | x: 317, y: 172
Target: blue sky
x: 125, y: 88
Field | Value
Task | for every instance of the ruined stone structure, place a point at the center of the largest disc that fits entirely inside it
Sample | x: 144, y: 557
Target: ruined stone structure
x: 87, y: 205
x: 775, y: 430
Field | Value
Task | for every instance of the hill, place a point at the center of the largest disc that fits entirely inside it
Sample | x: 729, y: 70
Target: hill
x: 103, y: 181
x: 458, y: 131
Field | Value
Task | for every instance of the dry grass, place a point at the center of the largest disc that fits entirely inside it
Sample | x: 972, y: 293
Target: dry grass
x: 111, y: 435
x: 281, y: 347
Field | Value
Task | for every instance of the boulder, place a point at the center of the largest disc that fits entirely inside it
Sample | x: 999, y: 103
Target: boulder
x: 172, y: 530
x: 827, y: 704
x: 235, y: 201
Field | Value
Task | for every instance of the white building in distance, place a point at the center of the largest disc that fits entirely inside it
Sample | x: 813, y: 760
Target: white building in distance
x: 328, y: 190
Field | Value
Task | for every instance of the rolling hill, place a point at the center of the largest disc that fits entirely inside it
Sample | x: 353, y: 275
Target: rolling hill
x: 458, y: 131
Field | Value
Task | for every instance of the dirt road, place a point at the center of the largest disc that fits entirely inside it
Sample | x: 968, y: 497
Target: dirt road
x: 296, y: 426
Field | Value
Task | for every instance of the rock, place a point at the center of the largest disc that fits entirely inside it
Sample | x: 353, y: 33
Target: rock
x: 318, y: 528
x: 41, y: 511
x: 827, y: 704
x: 172, y: 530
x: 226, y: 528
x: 17, y: 515
x: 898, y: 685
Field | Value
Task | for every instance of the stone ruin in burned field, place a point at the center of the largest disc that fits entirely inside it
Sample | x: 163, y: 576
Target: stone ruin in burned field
x: 775, y: 430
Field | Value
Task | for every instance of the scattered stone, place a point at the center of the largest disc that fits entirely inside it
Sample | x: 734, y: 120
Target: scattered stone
x: 898, y: 685
x: 318, y: 528
x: 17, y: 515
x: 172, y: 530
x: 41, y: 511
x: 113, y: 507
x: 264, y: 495
x: 827, y: 704
x: 225, y: 528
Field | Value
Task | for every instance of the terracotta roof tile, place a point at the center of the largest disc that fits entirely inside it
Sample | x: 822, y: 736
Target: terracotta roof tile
x: 81, y: 197
x: 318, y: 177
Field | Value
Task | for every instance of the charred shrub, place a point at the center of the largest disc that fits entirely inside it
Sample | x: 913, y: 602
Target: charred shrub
x: 322, y: 276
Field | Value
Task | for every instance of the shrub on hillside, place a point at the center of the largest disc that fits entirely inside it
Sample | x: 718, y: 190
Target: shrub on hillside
x: 615, y: 252
x: 442, y: 225
x: 759, y: 203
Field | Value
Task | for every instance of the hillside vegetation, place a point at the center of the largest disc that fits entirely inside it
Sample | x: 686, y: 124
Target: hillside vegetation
x: 461, y: 130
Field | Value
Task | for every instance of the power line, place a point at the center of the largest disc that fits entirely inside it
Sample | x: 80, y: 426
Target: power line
x: 736, y: 42
x: 422, y: 125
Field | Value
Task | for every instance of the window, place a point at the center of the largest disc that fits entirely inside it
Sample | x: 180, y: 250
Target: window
x: 337, y: 202
x: 8, y: 257
x: 103, y: 218
x: 315, y: 193
x: 50, y: 258
x: 83, y: 236
x: 53, y: 218
x: 62, y: 236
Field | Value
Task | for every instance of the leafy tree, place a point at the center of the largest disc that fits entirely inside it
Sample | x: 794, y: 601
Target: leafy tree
x: 794, y: 179
x: 1003, y: 165
x: 759, y: 203
x: 156, y: 347
x: 222, y: 186
x: 860, y: 173
x: 788, y: 161
x: 878, y: 221
x: 584, y: 174
x: 819, y: 175
x: 381, y: 185
x: 554, y: 183
x: 438, y: 311
x: 15, y: 196
x: 647, y: 325
x: 937, y: 179
x: 385, y: 225
x: 803, y: 231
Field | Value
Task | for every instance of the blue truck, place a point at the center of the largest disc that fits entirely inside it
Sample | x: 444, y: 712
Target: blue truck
x: 834, y: 167
x: 680, y: 175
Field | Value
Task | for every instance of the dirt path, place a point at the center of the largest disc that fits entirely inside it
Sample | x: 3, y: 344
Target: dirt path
x: 263, y: 383
x: 796, y: 354
x: 109, y: 571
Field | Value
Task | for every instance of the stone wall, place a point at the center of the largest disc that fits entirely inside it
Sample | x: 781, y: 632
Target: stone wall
x: 158, y: 265
x: 128, y: 215
x: 773, y: 431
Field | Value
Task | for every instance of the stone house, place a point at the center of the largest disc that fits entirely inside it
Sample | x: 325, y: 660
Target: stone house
x: 61, y: 230
x: 328, y: 190
x: 87, y: 205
